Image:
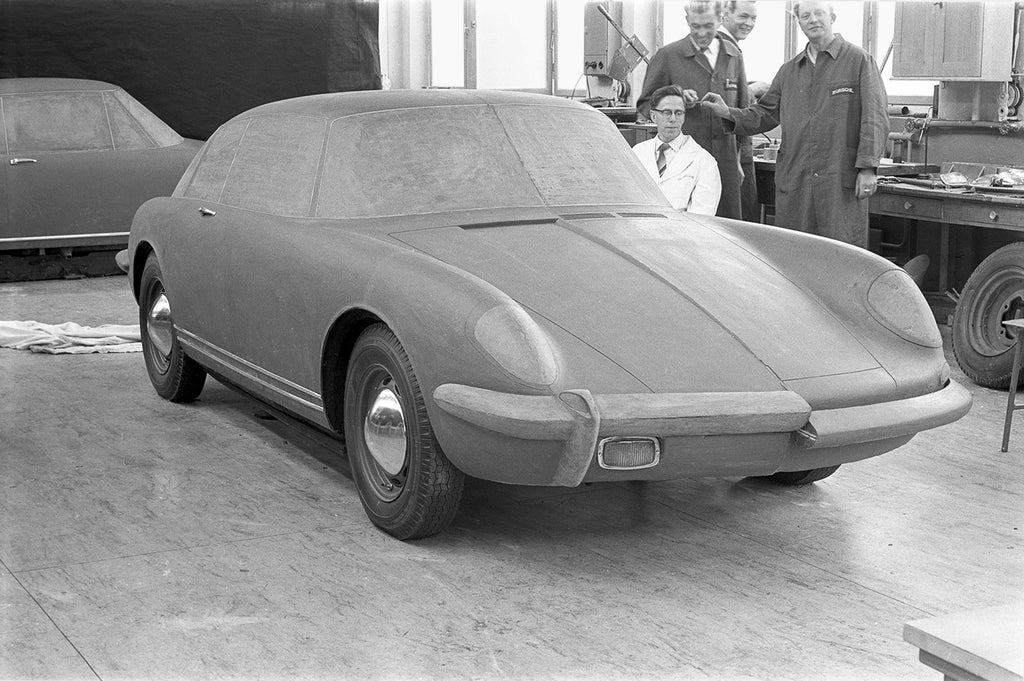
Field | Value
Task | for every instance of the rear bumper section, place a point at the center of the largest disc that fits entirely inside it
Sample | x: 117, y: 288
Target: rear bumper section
x: 577, y: 420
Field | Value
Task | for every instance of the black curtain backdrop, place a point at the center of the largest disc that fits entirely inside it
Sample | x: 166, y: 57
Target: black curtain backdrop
x: 196, y: 63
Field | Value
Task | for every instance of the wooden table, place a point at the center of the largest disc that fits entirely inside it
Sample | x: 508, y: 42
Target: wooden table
x: 985, y: 644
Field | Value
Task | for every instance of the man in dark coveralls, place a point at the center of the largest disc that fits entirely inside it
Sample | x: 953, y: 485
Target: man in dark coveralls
x: 832, y: 105
x: 701, y: 63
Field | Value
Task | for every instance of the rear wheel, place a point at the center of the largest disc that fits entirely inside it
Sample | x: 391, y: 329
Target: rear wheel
x: 793, y: 478
x: 174, y: 375
x: 407, y: 486
x: 993, y: 294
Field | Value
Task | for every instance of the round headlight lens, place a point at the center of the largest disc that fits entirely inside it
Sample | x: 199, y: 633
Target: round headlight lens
x: 513, y: 340
x: 895, y: 301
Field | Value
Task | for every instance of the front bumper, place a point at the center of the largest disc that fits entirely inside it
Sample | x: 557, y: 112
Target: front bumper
x: 577, y: 419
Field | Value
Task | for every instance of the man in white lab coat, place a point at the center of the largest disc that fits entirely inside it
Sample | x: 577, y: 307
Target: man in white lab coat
x: 685, y: 172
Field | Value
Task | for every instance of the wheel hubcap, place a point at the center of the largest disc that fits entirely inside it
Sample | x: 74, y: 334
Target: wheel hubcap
x: 384, y: 431
x: 1000, y: 300
x: 160, y: 328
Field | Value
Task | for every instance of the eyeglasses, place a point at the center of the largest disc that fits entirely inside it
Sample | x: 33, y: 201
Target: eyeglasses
x: 669, y: 113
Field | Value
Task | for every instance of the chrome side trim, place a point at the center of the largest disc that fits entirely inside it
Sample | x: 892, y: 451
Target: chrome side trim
x: 266, y: 379
x: 59, y: 237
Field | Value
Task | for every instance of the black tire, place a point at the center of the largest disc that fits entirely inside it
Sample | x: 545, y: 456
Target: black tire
x: 174, y: 375
x: 409, y: 489
x: 993, y: 294
x: 795, y: 478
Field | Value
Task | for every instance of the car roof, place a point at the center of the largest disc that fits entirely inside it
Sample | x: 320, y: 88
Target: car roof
x: 21, y: 85
x: 339, y: 104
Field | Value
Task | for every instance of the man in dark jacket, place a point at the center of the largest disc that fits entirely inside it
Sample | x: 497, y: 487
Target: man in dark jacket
x: 831, y: 103
x: 701, y: 63
x: 738, y: 19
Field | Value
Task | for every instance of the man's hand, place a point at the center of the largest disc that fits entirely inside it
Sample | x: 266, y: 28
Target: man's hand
x: 690, y: 98
x: 714, y: 101
x: 866, y: 182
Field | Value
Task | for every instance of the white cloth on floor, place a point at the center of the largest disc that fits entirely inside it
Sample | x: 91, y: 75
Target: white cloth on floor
x: 69, y: 337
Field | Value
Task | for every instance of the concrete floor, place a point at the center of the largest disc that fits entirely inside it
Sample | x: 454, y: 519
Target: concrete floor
x: 145, y: 540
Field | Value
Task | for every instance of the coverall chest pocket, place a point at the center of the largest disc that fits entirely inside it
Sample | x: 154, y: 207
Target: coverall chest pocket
x: 843, y: 109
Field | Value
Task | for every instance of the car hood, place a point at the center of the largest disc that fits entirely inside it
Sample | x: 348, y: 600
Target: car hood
x: 670, y: 300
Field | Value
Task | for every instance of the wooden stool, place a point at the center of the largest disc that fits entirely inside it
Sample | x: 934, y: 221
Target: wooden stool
x: 1011, y: 399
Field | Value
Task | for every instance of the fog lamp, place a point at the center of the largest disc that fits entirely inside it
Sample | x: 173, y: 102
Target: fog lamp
x: 628, y: 453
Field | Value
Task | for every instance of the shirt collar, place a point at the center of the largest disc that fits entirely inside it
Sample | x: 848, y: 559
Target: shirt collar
x: 712, y: 48
x: 675, y: 144
x: 833, y: 48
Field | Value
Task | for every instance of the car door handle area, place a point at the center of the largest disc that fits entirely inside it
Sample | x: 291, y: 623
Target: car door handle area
x: 19, y: 161
x: 206, y: 212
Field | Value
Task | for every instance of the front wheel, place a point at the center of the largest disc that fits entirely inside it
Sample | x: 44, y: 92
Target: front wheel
x: 174, y: 375
x: 794, y: 478
x: 407, y: 486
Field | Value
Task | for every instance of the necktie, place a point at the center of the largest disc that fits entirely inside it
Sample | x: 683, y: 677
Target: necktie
x: 662, y: 161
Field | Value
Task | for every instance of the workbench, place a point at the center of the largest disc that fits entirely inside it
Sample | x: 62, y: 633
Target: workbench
x: 949, y: 206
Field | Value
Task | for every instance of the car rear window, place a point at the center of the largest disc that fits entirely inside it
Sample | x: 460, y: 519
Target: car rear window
x: 427, y: 160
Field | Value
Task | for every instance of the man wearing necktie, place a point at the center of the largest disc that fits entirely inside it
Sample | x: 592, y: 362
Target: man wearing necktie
x: 701, y: 63
x: 686, y: 174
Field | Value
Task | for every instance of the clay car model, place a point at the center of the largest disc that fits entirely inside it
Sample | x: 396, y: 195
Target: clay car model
x: 489, y: 284
x: 79, y: 157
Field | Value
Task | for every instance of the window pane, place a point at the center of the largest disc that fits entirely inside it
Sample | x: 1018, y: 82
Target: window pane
x: 413, y: 161
x: 556, y: 145
x: 212, y: 169
x: 849, y: 23
x: 570, y: 46
x: 764, y: 50
x: 447, y: 43
x: 275, y: 168
x: 56, y: 121
x: 673, y: 21
x: 511, y: 45
x: 127, y: 132
x: 886, y: 34
x: 159, y: 131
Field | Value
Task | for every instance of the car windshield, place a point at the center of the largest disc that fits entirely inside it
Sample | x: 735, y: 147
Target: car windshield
x: 426, y: 160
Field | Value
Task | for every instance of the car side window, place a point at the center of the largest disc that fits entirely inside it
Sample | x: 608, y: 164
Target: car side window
x: 56, y: 121
x: 211, y: 170
x: 275, y: 167
x: 127, y: 132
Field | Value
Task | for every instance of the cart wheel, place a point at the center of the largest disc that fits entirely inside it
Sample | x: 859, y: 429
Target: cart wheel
x: 795, y: 478
x: 993, y: 294
x: 407, y: 486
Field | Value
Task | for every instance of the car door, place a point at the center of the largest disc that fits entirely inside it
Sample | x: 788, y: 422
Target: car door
x: 235, y: 257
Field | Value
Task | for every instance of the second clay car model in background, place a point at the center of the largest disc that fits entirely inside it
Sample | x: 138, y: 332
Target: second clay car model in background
x: 79, y: 157
x: 489, y: 284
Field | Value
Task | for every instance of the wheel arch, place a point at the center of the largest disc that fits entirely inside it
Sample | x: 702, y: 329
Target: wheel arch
x: 142, y: 253
x: 337, y: 351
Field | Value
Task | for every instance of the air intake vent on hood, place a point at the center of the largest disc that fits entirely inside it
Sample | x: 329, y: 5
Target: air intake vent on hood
x: 642, y: 215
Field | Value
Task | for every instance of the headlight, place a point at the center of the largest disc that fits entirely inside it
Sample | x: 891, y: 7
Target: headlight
x: 513, y: 340
x: 897, y: 304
